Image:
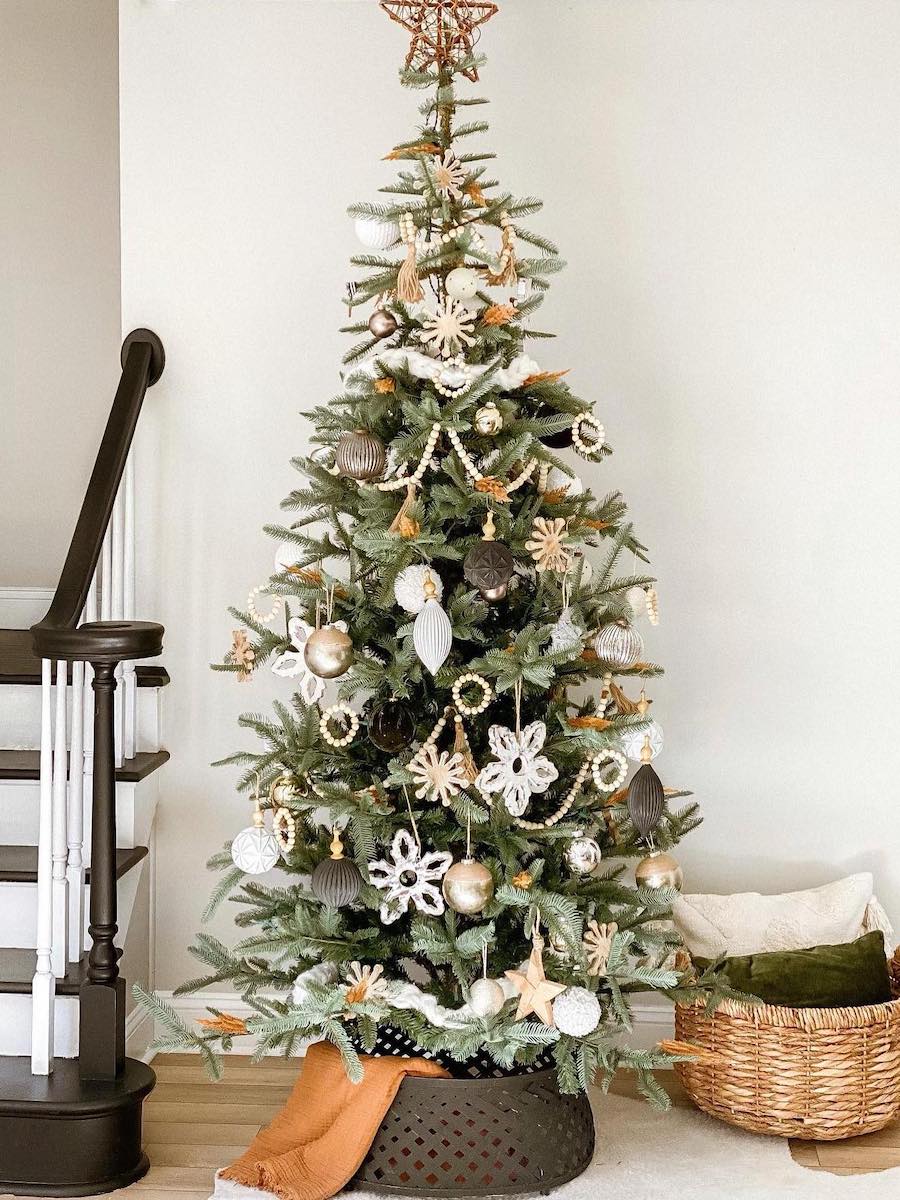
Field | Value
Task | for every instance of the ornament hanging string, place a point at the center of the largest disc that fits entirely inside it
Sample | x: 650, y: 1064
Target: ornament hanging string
x: 412, y: 819
x: 517, y: 692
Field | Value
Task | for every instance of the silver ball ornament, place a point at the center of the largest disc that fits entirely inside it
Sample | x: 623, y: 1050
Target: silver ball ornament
x: 576, y: 1012
x: 382, y: 324
x: 619, y: 644
x: 583, y: 855
x: 488, y: 420
x: 468, y: 886
x: 659, y: 870
x: 360, y: 455
x: 328, y: 652
x: 486, y: 997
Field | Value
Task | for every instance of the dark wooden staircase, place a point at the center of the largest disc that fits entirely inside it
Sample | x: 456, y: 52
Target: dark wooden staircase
x: 72, y: 1127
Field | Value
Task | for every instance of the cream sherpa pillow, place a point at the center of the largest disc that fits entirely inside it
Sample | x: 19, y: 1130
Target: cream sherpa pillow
x: 749, y: 923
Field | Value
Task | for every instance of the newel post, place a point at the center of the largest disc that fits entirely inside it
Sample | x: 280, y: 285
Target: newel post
x: 102, y: 1020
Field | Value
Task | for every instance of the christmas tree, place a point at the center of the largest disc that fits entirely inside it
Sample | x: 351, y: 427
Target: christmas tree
x: 447, y: 816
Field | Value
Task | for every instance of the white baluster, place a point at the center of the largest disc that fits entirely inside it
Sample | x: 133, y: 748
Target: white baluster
x: 117, y: 606
x: 75, y: 861
x: 129, y: 690
x: 60, y: 846
x: 90, y: 614
x: 43, y: 986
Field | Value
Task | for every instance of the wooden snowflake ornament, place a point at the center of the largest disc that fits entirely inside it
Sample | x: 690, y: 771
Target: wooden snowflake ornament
x: 440, y: 775
x: 444, y: 31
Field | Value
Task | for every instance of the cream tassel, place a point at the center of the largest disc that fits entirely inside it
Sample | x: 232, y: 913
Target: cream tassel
x: 507, y: 275
x: 461, y: 747
x: 409, y: 289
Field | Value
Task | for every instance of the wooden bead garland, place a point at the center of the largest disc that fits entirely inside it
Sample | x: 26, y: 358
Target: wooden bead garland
x: 588, y: 449
x: 472, y: 710
x: 556, y: 817
x: 338, y: 710
x: 652, y: 606
x: 607, y: 758
x: 252, y: 610
x: 285, y: 829
x: 402, y: 481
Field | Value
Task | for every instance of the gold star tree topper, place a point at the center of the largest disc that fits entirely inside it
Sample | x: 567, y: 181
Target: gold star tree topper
x: 535, y: 990
x: 444, y: 31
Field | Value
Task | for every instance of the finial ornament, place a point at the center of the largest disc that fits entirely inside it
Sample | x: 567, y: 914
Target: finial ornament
x: 443, y: 31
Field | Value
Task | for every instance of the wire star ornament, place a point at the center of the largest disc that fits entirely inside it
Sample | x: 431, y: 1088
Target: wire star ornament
x: 444, y: 31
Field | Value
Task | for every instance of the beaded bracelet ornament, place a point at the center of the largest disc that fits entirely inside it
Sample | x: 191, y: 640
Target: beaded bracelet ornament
x: 588, y: 449
x: 601, y: 762
x: 252, y: 610
x: 472, y: 710
x: 285, y: 829
x: 339, y: 710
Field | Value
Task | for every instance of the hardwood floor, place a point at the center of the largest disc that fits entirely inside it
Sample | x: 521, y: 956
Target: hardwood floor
x: 193, y: 1126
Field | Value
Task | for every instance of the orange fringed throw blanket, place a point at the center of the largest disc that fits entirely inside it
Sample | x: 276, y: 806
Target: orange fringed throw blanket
x: 319, y: 1139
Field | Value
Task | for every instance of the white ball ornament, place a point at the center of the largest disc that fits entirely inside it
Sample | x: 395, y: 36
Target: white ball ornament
x: 486, y: 997
x: 255, y: 850
x: 576, y: 1012
x: 462, y: 284
x: 377, y: 234
x: 409, y: 587
x: 632, y: 740
x: 558, y: 480
x: 637, y: 600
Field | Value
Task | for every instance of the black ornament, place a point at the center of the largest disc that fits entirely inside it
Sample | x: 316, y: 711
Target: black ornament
x: 392, y: 726
x: 489, y: 564
x: 558, y: 441
x: 337, y: 880
x: 646, y: 800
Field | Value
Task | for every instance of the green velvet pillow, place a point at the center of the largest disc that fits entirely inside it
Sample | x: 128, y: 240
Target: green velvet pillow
x: 822, y: 977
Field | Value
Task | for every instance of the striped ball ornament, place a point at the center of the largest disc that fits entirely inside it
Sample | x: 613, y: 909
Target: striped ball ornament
x: 619, y: 644
x: 360, y: 455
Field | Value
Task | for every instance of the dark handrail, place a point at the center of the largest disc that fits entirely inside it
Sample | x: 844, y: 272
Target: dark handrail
x: 58, y: 636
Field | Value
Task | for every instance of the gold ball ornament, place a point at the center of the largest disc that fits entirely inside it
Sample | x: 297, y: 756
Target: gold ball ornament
x: 285, y: 789
x: 328, y: 652
x: 488, y: 420
x: 468, y: 886
x: 659, y: 870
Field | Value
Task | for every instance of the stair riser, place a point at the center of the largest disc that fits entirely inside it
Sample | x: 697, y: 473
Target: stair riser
x: 15, y: 1026
x: 20, y: 717
x: 20, y: 813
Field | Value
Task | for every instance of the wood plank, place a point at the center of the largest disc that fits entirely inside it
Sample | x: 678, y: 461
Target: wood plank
x: 225, y: 1114
x: 804, y: 1153
x: 218, y: 1093
x: 194, y: 1133
x: 177, y: 1154
x: 858, y: 1156
x: 175, y: 1179
x: 258, y: 1077
x: 233, y: 1062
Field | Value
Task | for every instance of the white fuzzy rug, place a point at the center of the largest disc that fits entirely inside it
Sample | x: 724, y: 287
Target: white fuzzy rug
x: 682, y: 1155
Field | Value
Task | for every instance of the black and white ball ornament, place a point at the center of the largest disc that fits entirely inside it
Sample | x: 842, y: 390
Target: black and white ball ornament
x: 486, y: 997
x: 336, y: 881
x: 392, y: 726
x: 659, y: 870
x: 462, y: 284
x: 360, y: 455
x: 382, y: 324
x: 329, y: 652
x: 255, y: 850
x: 468, y: 886
x: 583, y: 855
x: 576, y: 1012
x: 377, y: 234
x: 619, y: 644
x: 409, y: 587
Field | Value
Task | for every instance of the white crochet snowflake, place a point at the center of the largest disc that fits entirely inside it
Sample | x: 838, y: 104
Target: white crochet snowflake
x: 448, y: 327
x: 409, y: 878
x: 521, y: 770
x: 291, y: 664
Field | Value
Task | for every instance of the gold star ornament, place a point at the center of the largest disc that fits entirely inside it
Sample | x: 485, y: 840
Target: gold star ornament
x: 443, y: 31
x: 535, y: 990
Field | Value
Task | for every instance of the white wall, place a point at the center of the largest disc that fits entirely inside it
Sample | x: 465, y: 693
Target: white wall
x: 723, y: 180
x: 59, y: 270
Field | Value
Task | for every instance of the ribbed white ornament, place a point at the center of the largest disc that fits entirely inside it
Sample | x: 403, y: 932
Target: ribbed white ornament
x: 409, y: 587
x: 377, y: 234
x: 632, y: 740
x: 432, y: 635
x: 576, y: 1012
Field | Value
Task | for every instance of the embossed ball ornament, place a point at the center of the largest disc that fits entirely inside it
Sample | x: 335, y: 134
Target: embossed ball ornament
x: 489, y: 565
x: 256, y: 850
x: 360, y: 455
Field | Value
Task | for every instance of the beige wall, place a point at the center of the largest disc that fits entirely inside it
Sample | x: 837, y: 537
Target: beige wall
x: 723, y: 180
x: 59, y: 269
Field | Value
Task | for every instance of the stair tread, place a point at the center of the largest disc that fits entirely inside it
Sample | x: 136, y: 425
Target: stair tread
x: 19, y: 663
x: 64, y: 1091
x: 26, y: 765
x: 18, y: 864
x: 17, y: 972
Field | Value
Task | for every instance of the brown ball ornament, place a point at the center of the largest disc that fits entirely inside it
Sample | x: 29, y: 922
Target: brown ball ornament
x: 328, y: 652
x: 468, y: 886
x: 659, y: 870
x: 360, y: 455
x: 382, y: 324
x: 489, y: 565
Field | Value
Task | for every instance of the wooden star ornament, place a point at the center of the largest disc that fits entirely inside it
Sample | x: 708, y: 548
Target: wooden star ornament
x: 443, y: 31
x: 535, y: 990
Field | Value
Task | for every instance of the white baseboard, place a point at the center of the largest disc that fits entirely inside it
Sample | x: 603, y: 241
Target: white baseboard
x: 653, y: 1017
x: 21, y: 607
x: 139, y: 1035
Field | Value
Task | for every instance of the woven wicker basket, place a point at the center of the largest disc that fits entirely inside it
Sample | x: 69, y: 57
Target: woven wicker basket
x: 484, y: 1132
x: 815, y: 1073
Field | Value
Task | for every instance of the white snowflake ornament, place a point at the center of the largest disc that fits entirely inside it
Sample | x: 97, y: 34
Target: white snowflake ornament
x: 521, y: 770
x: 292, y: 665
x: 409, y: 878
